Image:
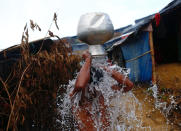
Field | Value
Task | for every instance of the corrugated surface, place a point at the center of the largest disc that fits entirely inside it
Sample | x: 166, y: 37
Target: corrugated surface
x: 141, y: 68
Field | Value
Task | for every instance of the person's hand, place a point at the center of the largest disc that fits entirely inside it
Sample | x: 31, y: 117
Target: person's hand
x: 84, y: 74
x: 86, y: 55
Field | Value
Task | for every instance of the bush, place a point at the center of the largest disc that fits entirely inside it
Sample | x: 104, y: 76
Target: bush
x: 28, y: 96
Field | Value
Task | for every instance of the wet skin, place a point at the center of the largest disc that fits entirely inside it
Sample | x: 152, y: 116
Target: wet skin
x: 82, y: 114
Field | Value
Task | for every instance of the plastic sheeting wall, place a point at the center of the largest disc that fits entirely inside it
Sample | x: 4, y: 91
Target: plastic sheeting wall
x: 141, y: 68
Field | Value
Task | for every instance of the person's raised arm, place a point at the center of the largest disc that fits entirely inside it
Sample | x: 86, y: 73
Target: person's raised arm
x: 120, y: 79
x: 84, y: 74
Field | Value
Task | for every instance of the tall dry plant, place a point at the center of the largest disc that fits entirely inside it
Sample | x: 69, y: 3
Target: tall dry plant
x: 28, y: 95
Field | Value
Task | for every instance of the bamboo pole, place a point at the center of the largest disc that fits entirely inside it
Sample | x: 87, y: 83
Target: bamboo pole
x: 152, y: 57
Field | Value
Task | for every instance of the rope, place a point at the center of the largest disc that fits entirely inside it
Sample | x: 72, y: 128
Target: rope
x: 138, y: 56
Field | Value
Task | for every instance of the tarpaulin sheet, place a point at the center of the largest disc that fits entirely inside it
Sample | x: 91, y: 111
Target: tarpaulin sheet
x: 138, y: 59
x: 172, y: 5
x: 79, y: 47
x: 10, y: 56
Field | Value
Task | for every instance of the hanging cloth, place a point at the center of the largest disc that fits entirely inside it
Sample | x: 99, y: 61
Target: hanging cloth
x: 157, y: 19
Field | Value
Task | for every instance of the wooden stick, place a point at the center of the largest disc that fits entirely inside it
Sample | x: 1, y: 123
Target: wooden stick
x: 152, y: 57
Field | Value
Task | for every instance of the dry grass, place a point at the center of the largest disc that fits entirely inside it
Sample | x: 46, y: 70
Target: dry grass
x: 28, y: 95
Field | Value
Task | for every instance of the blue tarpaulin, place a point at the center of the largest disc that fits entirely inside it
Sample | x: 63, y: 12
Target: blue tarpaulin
x: 79, y: 47
x: 138, y: 58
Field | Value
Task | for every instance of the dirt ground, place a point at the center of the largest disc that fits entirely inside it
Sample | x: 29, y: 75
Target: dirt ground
x: 169, y: 85
x: 169, y: 76
x: 149, y: 115
x: 148, y: 118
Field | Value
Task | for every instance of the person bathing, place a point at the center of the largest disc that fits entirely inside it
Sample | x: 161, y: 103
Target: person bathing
x: 83, y: 115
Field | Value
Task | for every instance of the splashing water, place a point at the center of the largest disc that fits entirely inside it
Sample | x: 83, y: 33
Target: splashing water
x: 158, y: 104
x: 164, y: 107
x: 121, y: 107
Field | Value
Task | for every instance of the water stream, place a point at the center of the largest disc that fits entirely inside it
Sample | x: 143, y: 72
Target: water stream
x: 125, y: 111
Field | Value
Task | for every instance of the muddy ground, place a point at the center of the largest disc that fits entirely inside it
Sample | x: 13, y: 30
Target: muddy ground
x: 169, y: 91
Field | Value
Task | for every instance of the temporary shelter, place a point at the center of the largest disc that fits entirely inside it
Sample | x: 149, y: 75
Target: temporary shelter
x: 155, y: 39
x: 152, y: 40
x: 10, y: 56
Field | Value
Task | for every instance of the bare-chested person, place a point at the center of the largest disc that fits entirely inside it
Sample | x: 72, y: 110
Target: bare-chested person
x: 83, y: 115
